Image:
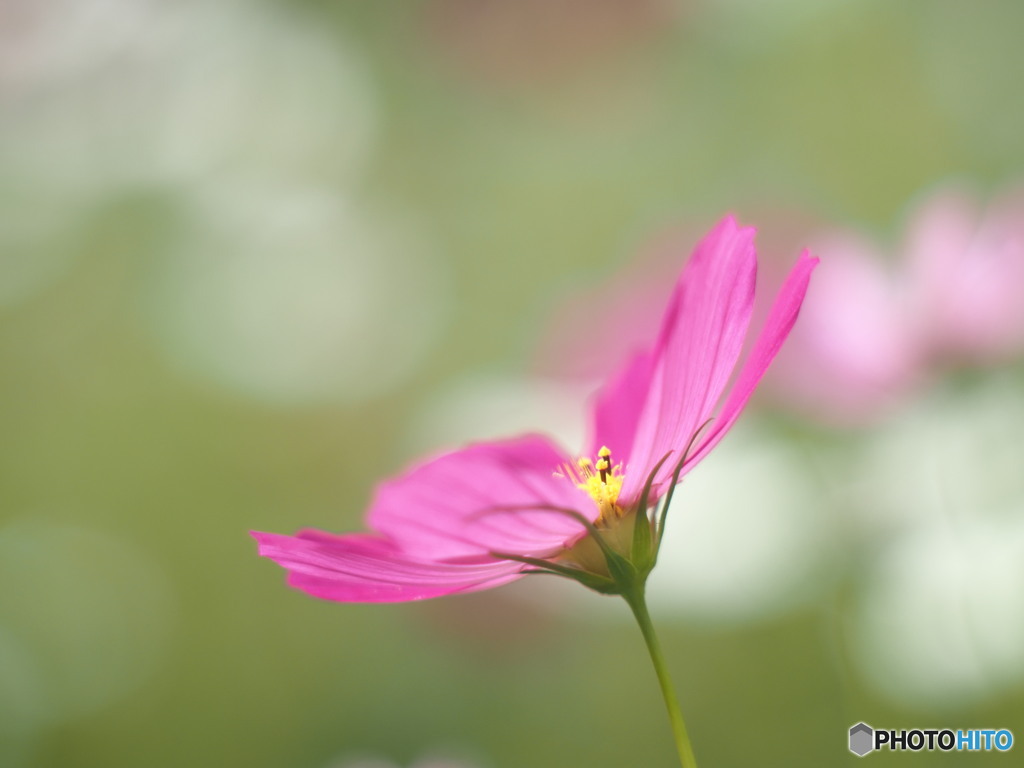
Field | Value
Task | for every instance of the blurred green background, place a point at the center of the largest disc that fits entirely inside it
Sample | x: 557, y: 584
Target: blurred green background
x: 255, y: 257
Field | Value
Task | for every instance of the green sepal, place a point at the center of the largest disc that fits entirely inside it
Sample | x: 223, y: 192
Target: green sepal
x: 594, y: 581
x: 641, y: 549
x: 622, y: 570
x: 623, y: 574
x: 642, y: 553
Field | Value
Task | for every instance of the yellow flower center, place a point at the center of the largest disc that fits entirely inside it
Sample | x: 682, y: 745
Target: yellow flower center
x: 601, y: 481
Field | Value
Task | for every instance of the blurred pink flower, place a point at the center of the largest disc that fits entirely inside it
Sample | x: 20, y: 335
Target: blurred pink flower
x: 855, y: 353
x: 460, y: 522
x: 875, y: 328
x: 965, y: 271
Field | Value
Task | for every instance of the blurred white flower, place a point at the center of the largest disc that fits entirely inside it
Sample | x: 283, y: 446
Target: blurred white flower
x: 100, y: 96
x: 746, y: 538
x: 954, y: 455
x: 938, y: 620
x: 297, y: 295
x: 122, y: 92
x: 45, y: 45
x: 258, y: 90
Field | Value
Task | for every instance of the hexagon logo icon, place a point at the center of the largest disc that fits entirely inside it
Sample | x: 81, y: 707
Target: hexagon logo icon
x: 862, y: 739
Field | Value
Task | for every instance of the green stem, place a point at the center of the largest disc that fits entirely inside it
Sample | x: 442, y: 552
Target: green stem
x: 638, y: 604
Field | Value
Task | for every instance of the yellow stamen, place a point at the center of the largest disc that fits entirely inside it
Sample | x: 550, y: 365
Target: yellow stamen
x: 601, y: 481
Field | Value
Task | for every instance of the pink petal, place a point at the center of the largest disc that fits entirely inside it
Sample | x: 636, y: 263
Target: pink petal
x: 438, y: 526
x: 780, y: 320
x: 700, y: 341
x: 369, y: 569
x: 458, y: 505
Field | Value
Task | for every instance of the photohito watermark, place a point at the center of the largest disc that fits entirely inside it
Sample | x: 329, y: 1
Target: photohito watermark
x: 865, y: 739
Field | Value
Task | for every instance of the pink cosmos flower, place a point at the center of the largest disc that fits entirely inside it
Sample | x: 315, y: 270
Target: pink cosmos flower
x: 878, y: 326
x: 486, y: 514
x: 965, y: 267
